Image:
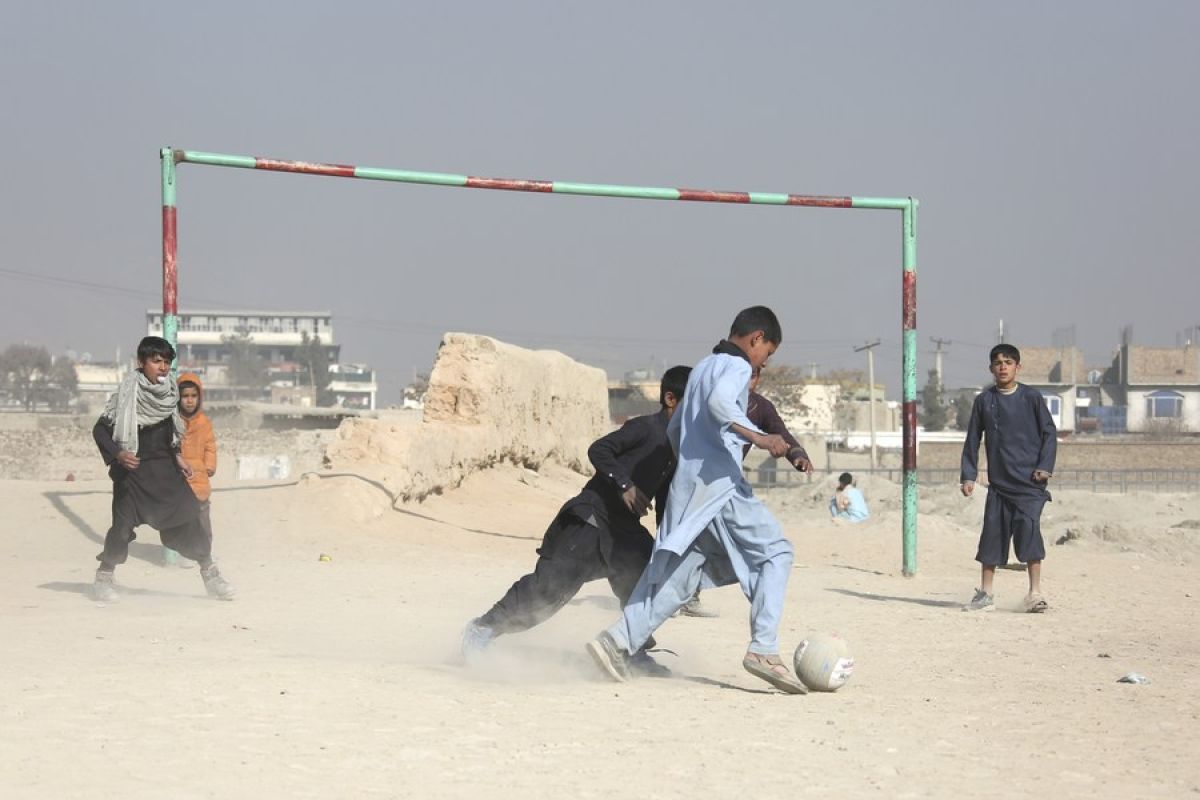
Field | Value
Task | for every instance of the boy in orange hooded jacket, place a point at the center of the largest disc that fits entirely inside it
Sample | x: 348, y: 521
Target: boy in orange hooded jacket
x: 199, y: 448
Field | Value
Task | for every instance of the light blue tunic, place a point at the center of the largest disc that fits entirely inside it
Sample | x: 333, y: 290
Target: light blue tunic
x: 714, y: 531
x: 857, y: 510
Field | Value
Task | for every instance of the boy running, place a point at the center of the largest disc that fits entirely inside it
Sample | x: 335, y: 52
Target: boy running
x: 715, y: 532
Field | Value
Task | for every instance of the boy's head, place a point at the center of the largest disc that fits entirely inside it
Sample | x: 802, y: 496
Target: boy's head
x: 189, y: 398
x: 755, y: 378
x: 670, y: 390
x: 844, y: 480
x: 154, y: 355
x: 1004, y: 361
x: 757, y: 332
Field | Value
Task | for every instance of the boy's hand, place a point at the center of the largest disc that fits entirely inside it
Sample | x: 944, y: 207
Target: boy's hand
x: 184, y: 467
x: 774, y: 444
x: 636, y: 501
x: 128, y: 459
x: 967, y: 487
x: 1040, y: 476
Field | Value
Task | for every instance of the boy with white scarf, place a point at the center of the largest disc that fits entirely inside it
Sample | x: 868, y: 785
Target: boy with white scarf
x: 139, y: 435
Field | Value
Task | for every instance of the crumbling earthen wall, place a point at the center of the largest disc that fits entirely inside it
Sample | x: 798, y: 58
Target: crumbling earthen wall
x: 487, y: 402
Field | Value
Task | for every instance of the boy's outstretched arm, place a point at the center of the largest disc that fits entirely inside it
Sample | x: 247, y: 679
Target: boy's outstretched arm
x: 766, y: 416
x: 773, y: 443
x: 969, y: 469
x: 604, y: 454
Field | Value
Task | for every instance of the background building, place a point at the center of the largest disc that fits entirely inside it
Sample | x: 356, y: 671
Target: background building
x: 265, y: 356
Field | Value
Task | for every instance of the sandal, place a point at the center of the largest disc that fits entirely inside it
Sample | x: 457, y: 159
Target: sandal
x: 1035, y: 604
x: 772, y: 670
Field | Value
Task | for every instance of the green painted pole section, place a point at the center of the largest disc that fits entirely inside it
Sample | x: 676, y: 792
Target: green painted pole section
x: 408, y: 176
x: 170, y: 318
x: 909, y: 485
x: 217, y: 159
x: 607, y: 190
x: 890, y: 203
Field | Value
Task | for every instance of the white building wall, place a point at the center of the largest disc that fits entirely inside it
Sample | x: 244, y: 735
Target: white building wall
x: 1138, y: 422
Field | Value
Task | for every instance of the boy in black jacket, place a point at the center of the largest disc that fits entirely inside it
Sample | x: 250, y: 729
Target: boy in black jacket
x: 597, y: 533
x: 139, y: 435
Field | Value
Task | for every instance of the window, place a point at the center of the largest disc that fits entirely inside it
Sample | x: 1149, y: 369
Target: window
x: 1164, y: 405
x: 1054, y: 403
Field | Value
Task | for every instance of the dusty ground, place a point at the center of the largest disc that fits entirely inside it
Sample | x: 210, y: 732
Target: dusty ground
x: 332, y: 679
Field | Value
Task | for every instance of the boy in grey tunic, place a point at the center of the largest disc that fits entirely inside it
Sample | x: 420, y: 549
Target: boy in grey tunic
x: 1019, y: 435
x: 714, y: 531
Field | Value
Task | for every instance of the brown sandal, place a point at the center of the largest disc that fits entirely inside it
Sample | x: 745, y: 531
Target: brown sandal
x: 772, y: 670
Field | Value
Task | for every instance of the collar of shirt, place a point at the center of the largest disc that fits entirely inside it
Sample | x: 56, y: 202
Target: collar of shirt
x: 728, y: 348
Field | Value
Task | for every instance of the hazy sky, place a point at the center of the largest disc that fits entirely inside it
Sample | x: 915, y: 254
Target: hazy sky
x: 1052, y: 145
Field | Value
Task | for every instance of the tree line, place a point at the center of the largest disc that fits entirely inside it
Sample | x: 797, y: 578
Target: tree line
x: 32, y: 377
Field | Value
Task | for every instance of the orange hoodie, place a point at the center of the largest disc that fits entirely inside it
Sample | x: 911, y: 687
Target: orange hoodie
x: 199, y: 447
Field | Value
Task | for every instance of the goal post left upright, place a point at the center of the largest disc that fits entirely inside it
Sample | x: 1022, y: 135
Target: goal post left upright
x: 170, y: 275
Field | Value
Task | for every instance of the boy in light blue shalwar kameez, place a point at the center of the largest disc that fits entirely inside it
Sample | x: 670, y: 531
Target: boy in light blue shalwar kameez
x: 714, y: 531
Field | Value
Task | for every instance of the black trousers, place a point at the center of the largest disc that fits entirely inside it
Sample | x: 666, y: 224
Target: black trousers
x: 191, y: 539
x: 572, y: 553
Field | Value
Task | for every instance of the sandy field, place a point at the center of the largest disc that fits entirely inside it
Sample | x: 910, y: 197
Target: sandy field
x: 337, y: 679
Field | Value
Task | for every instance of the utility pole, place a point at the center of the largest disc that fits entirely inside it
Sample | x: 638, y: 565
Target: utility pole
x: 938, y: 358
x: 812, y: 370
x: 870, y: 348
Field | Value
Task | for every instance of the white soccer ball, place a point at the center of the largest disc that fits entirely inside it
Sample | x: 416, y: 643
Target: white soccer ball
x: 823, y: 662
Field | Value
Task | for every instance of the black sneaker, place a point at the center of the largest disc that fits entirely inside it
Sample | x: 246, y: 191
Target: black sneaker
x: 215, y: 585
x: 643, y: 665
x: 611, y: 658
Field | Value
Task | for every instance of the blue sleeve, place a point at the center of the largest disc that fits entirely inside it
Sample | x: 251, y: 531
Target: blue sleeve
x: 1048, y: 434
x: 723, y: 397
x: 970, y: 454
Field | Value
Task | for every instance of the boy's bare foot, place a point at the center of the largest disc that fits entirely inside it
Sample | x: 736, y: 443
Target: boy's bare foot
x: 772, y: 670
x: 1035, y: 603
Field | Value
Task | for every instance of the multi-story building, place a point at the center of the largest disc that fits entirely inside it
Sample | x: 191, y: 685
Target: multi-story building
x: 203, y: 334
x: 204, y: 341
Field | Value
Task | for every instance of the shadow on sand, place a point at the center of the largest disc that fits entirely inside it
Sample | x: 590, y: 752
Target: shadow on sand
x: 920, y: 601
x: 142, y: 551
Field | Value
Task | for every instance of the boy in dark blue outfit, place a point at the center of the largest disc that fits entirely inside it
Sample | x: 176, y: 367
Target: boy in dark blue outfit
x: 1019, y: 435
x: 597, y: 533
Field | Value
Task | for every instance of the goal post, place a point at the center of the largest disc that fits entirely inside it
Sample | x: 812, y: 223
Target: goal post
x: 907, y: 206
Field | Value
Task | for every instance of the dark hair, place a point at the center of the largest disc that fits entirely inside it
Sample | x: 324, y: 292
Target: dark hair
x: 1004, y: 350
x: 845, y: 479
x: 188, y: 384
x: 152, y: 346
x: 757, y: 318
x: 674, y: 381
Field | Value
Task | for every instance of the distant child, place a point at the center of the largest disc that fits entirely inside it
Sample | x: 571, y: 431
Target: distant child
x: 1019, y: 435
x: 714, y: 532
x: 199, y: 448
x: 597, y: 533
x: 848, y: 503
x: 762, y: 413
x: 139, y: 435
